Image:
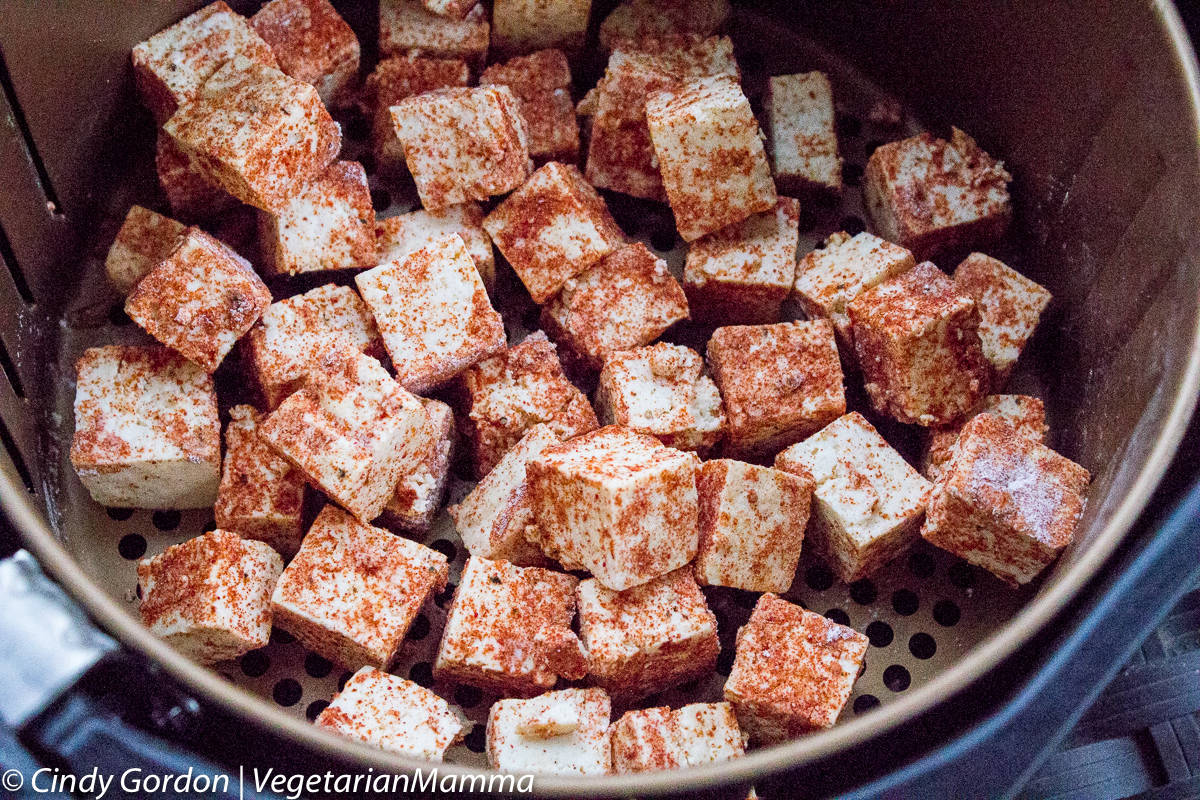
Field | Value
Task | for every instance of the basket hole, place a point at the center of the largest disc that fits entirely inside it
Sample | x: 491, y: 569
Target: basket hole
x: 444, y: 597
x: 166, y: 520
x: 132, y: 546
x: 421, y: 674
x: 255, y: 664
x: 446, y: 548
x: 476, y: 740
x: 818, y: 578
x: 419, y: 628
x: 838, y: 615
x: 852, y: 174
x: 117, y: 316
x: 725, y: 660
x: 317, y: 666
x: 287, y: 692
x: 863, y: 592
x: 808, y: 221
x: 946, y: 613
x: 119, y: 514
x: 315, y: 708
x: 905, y: 602
x: 961, y: 575
x: 880, y: 633
x: 380, y: 199
x: 896, y: 678
x: 921, y: 565
x: 280, y: 636
x: 467, y: 696
x: 853, y: 225
x: 865, y: 702
x: 345, y: 676
x: 922, y: 646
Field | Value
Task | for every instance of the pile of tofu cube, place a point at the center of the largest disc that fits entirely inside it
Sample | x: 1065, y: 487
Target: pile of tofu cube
x: 596, y: 520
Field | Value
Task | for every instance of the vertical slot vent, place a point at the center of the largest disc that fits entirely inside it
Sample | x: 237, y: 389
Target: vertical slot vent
x: 10, y: 93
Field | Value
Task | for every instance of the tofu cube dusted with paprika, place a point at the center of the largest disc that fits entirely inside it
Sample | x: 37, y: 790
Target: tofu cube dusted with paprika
x: 780, y: 383
x: 648, y: 638
x: 661, y: 390
x: 312, y: 43
x: 557, y: 733
x: 256, y: 133
x: 522, y: 26
x: 752, y: 523
x: 406, y: 26
x: 635, y: 20
x: 868, y: 502
x: 145, y: 239
x: 620, y: 154
x: 1004, y: 502
x: 210, y: 597
x: 917, y: 341
x: 1009, y: 307
x: 171, y: 66
x: 829, y: 278
x: 261, y: 495
x: 742, y: 273
x: 509, y: 629
x: 804, y: 146
x: 418, y: 496
x: 282, y: 347
x: 463, y: 144
x: 555, y: 226
x: 200, y: 299
x: 393, y: 80
x: 353, y: 590
x: 541, y: 82
x: 626, y: 299
x: 433, y: 313
x: 147, y: 433
x: 933, y: 196
x: 328, y: 224
x: 710, y: 153
x: 492, y: 519
x: 1026, y: 414
x: 793, y: 671
x: 649, y: 739
x: 190, y: 193
x: 393, y: 714
x: 352, y: 430
x: 616, y: 503
x: 396, y: 237
x: 512, y: 391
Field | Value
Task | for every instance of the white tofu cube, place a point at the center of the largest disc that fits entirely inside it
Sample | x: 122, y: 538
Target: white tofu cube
x: 393, y: 714
x: 312, y: 44
x: 145, y: 239
x: 396, y: 237
x: 209, y: 597
x: 1026, y: 414
x: 804, y: 144
x: 660, y: 738
x: 146, y: 429
x: 522, y: 26
x: 393, y: 80
x: 190, y: 194
x: 406, y: 25
x: 352, y: 591
x: 419, y: 494
x: 542, y: 749
x: 868, y: 502
x: 635, y: 20
x: 433, y: 313
x: 1009, y: 308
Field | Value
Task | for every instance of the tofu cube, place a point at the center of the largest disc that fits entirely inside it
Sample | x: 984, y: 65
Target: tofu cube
x: 328, y: 224
x: 1004, y: 502
x: 406, y: 26
x: 649, y: 739
x: 829, y: 278
x: 210, y: 597
x: 780, y: 383
x: 1026, y: 414
x: 463, y: 144
x: 559, y: 733
x: 171, y: 66
x: 555, y: 226
x: 635, y: 20
x: 868, y: 502
x: 752, y: 522
x: 146, y: 429
x: 804, y: 146
x: 512, y: 391
x: 200, y: 299
x: 710, y: 153
x: 1009, y: 307
x: 284, y: 344
x: 931, y: 196
x: 393, y: 714
x: 352, y: 430
x: 352, y: 591
x: 145, y: 239
x: 312, y: 43
x: 393, y: 80
x: 541, y: 82
x: 492, y: 519
x: 509, y: 629
x: 917, y: 341
x: 793, y: 671
x: 419, y: 494
x: 626, y: 299
x: 616, y: 503
x: 189, y: 192
x: 256, y: 133
x: 433, y: 313
x: 261, y: 495
x: 522, y: 26
x: 742, y: 273
x: 647, y: 638
x: 620, y: 154
x: 661, y: 390
x: 396, y: 237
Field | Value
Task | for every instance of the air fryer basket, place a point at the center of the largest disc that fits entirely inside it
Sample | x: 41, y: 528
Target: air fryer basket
x: 1094, y: 111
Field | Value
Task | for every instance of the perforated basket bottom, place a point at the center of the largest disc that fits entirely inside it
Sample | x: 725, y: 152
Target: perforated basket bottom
x: 921, y: 613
